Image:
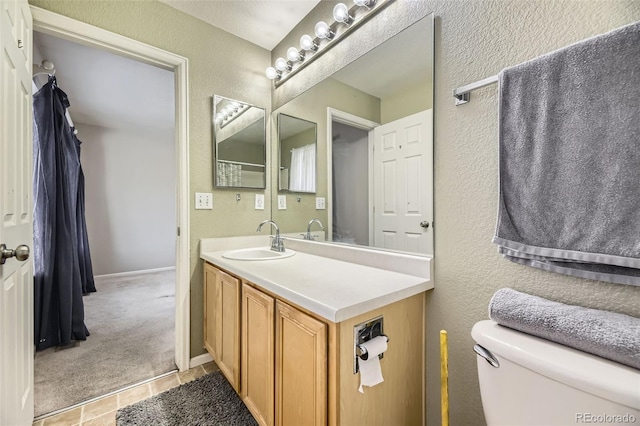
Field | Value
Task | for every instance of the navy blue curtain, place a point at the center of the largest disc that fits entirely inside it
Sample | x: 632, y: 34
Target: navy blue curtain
x: 62, y: 260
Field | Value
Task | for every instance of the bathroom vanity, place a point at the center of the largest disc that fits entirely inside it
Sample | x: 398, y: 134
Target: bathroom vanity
x: 282, y: 331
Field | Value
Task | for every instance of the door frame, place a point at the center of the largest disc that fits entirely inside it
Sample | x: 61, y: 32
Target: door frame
x: 360, y: 123
x: 66, y: 28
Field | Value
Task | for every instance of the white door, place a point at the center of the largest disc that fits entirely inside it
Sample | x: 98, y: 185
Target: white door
x: 403, y: 184
x: 16, y: 226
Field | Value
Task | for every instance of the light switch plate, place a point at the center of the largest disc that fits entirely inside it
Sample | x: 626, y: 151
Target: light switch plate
x: 282, y: 202
x: 320, y: 204
x: 259, y: 201
x: 204, y: 201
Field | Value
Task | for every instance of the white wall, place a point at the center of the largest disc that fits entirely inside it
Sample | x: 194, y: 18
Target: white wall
x: 130, y: 197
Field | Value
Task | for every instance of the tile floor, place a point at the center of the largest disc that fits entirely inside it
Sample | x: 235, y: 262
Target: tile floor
x: 103, y: 411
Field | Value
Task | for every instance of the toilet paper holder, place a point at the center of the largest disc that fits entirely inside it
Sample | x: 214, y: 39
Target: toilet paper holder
x: 361, y: 351
x: 362, y: 333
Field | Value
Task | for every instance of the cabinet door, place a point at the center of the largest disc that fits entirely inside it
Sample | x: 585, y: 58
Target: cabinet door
x: 227, y: 323
x: 301, y: 368
x: 258, y: 354
x: 210, y: 291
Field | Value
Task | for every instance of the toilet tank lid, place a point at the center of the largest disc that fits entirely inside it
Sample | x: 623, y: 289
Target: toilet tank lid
x: 589, y: 373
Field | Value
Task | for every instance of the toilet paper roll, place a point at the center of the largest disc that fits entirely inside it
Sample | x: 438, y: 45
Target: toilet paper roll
x: 370, y: 371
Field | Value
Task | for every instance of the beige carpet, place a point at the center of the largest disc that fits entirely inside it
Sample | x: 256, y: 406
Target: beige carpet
x: 131, y: 321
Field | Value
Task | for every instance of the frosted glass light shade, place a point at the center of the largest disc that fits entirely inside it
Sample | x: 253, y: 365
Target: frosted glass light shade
x: 281, y: 64
x: 322, y: 30
x: 341, y: 13
x: 306, y: 43
x: 271, y: 73
x: 293, y: 54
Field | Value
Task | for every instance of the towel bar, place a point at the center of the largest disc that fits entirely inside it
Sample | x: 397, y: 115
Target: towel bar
x: 462, y: 94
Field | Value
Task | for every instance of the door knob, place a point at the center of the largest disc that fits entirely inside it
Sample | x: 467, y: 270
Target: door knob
x: 21, y: 253
x: 424, y: 224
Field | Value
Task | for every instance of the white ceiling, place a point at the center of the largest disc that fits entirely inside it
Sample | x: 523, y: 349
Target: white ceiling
x: 262, y: 22
x: 108, y: 90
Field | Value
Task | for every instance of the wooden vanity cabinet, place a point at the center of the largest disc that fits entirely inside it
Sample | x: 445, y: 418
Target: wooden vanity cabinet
x: 258, y: 354
x: 222, y: 321
x: 297, y: 368
x: 284, y: 371
x: 301, y: 368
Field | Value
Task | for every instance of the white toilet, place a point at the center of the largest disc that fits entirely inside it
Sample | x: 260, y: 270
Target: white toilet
x: 537, y: 382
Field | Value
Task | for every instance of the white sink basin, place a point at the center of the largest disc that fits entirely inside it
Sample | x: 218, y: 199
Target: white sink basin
x: 257, y: 253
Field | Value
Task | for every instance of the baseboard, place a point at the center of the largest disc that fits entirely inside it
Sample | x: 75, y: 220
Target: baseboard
x: 144, y: 271
x: 200, y: 359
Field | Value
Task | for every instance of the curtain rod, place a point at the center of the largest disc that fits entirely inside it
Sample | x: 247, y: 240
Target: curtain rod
x: 463, y: 95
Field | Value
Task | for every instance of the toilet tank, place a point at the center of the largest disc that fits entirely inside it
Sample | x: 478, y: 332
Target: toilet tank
x: 539, y: 382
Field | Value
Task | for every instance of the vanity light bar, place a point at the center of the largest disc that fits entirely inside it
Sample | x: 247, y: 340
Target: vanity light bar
x: 345, y: 21
x: 229, y: 113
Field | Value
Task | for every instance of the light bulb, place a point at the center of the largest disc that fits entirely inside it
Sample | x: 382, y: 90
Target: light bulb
x: 323, y: 31
x: 281, y: 64
x: 272, y: 73
x: 306, y: 43
x: 366, y: 3
x: 229, y: 110
x: 341, y: 13
x: 219, y: 118
x: 294, y: 55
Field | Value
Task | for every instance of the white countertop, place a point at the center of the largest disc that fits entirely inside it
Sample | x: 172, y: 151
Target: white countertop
x: 333, y: 289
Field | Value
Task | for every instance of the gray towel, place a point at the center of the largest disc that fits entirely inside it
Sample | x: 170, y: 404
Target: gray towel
x: 570, y: 159
x: 607, y: 334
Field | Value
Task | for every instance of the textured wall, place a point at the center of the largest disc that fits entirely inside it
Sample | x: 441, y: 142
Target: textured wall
x: 474, y: 40
x: 215, y: 67
x: 130, y: 201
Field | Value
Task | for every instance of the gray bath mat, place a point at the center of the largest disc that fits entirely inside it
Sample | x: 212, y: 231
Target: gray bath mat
x: 208, y: 400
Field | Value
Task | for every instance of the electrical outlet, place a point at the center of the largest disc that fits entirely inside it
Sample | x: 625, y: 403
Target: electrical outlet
x: 204, y: 201
x: 282, y: 202
x: 320, y: 204
x: 259, y: 201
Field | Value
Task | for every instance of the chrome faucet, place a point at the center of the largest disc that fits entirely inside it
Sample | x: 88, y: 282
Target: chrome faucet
x: 277, y: 244
x: 308, y: 235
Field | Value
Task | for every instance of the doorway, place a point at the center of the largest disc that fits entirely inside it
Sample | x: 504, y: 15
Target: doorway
x: 69, y: 29
x: 350, y: 184
x: 350, y: 146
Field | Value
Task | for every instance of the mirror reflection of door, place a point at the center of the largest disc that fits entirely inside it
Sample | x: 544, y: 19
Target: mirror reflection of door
x: 401, y: 171
x: 379, y: 174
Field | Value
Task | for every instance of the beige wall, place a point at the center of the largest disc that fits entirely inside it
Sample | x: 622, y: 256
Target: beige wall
x: 215, y: 67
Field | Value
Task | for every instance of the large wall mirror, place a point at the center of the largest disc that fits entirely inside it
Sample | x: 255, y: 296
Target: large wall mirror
x: 374, y: 148
x: 239, y: 138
